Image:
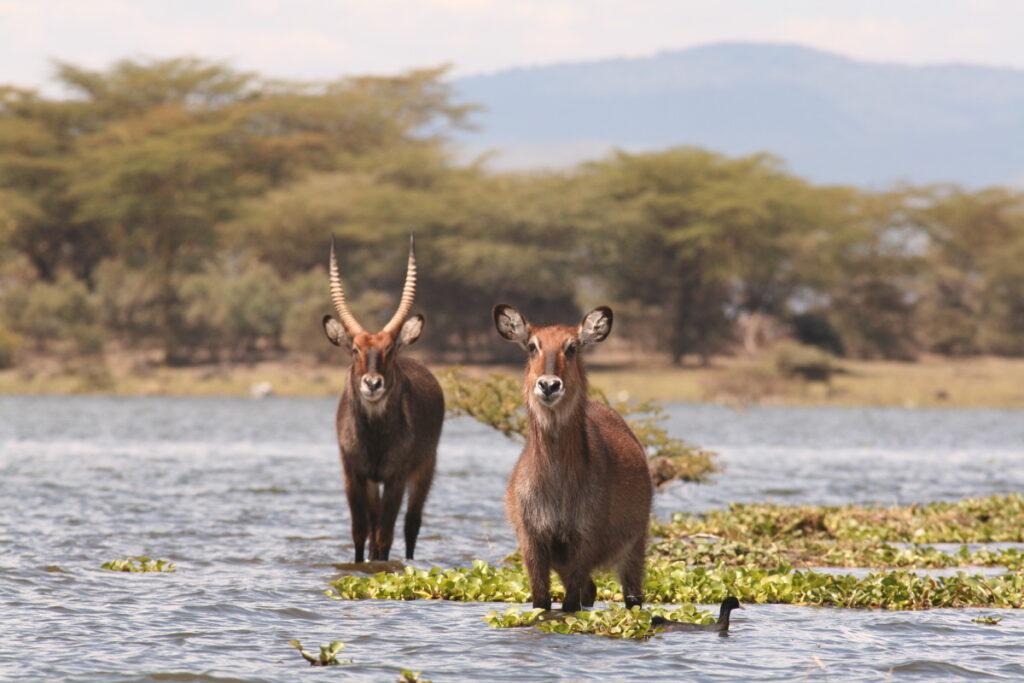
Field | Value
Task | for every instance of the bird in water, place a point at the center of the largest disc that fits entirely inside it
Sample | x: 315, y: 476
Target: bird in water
x: 721, y: 626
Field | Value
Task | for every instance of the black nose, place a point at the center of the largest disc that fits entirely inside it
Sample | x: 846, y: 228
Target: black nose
x: 373, y: 383
x: 549, y: 386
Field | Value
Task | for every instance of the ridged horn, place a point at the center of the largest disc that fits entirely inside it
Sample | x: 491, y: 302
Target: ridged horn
x: 408, y: 293
x: 348, y: 321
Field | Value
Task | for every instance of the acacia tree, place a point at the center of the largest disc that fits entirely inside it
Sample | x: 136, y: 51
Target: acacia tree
x: 697, y: 236
x: 145, y: 159
x: 972, y: 298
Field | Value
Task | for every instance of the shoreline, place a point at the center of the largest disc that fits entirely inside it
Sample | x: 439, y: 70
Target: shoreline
x: 983, y: 382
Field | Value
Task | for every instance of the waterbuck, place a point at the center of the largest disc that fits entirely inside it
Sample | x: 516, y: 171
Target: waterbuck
x: 580, y: 495
x: 389, y: 420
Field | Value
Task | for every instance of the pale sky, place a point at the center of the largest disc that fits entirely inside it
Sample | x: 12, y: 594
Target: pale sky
x: 317, y: 39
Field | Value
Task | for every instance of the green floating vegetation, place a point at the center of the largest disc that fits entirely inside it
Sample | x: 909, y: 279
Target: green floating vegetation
x: 987, y: 621
x: 328, y: 655
x: 497, y: 400
x: 766, y: 535
x: 614, y: 622
x: 408, y: 676
x: 675, y: 583
x: 139, y: 564
x: 760, y: 553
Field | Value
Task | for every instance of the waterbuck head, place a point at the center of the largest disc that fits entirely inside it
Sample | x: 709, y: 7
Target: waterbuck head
x: 373, y: 354
x: 555, y: 377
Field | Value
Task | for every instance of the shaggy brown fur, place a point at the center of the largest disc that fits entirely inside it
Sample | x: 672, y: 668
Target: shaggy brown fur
x: 393, y: 447
x: 580, y: 495
x: 389, y: 420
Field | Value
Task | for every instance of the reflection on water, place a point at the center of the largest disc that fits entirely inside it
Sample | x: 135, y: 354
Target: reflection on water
x: 246, y: 498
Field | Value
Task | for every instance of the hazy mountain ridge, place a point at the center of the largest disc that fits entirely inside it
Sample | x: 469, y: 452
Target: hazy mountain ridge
x: 834, y: 119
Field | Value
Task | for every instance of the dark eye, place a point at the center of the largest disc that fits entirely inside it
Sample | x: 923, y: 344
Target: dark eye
x: 570, y: 350
x: 532, y: 348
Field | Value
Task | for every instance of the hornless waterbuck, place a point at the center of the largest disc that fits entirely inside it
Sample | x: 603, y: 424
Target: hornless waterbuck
x: 389, y: 421
x: 580, y: 494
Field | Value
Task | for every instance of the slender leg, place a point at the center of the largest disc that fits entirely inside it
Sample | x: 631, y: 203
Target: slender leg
x: 631, y: 575
x: 589, y: 594
x: 419, y: 488
x: 391, y: 503
x: 358, y: 507
x: 577, y: 584
x: 373, y: 517
x: 538, y: 569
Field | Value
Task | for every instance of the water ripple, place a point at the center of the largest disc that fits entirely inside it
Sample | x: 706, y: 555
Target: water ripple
x: 246, y: 498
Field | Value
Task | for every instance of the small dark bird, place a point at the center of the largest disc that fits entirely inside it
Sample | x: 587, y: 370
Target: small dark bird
x: 722, y: 625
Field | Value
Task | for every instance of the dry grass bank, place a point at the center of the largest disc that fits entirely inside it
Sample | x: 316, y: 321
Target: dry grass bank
x: 976, y: 382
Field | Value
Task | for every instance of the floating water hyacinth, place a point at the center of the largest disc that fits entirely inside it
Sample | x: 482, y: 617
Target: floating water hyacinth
x: 328, y: 655
x: 139, y: 564
x: 988, y: 620
x: 674, y: 583
x: 614, y: 622
x: 766, y: 535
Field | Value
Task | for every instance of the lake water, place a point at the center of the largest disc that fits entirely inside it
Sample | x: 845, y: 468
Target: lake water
x: 246, y: 498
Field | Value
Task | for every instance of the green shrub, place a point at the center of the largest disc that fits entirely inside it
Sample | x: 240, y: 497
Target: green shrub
x: 798, y: 361
x: 308, y: 302
x: 9, y: 345
x: 235, y: 310
x: 128, y: 299
x: 49, y: 313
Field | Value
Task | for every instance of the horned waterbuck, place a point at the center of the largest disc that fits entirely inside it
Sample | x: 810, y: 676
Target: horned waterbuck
x: 580, y: 494
x: 389, y: 420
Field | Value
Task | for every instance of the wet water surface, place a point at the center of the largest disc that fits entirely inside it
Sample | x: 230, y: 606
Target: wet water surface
x: 245, y: 497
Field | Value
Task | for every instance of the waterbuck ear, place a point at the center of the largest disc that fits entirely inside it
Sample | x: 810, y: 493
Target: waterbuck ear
x: 336, y: 333
x: 596, y: 326
x: 511, y: 324
x: 410, y: 331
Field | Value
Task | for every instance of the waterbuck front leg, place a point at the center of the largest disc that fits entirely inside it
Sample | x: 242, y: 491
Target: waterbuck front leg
x: 577, y: 586
x: 385, y: 531
x: 589, y: 593
x: 373, y: 516
x: 359, y: 510
x: 538, y: 568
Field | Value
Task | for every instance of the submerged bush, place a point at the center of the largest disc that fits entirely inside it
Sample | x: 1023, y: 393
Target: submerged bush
x: 497, y: 401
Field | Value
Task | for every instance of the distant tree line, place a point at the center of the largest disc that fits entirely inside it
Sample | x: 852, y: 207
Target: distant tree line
x: 184, y: 207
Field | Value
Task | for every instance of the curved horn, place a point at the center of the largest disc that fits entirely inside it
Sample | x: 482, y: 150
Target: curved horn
x: 408, y: 293
x: 352, y: 326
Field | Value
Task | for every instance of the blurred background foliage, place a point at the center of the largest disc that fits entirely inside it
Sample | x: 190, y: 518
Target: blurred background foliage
x: 183, y: 209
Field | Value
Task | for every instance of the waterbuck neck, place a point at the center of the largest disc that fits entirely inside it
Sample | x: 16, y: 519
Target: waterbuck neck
x: 559, y: 435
